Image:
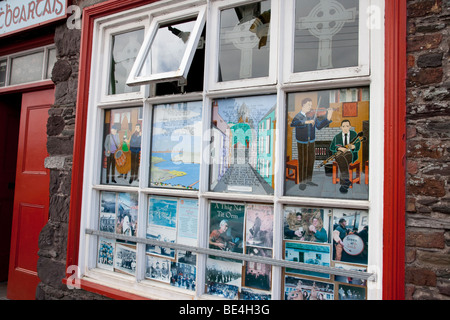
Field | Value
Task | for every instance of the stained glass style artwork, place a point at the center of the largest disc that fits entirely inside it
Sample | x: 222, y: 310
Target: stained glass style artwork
x: 327, y: 144
x: 122, y: 133
x: 243, y: 145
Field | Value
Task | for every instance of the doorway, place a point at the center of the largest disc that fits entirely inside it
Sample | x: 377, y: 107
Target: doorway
x: 29, y: 184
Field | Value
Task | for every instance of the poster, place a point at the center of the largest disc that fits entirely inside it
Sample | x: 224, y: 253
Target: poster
x: 327, y: 144
x: 227, y: 226
x: 176, y: 146
x: 121, y: 147
x: 243, y: 145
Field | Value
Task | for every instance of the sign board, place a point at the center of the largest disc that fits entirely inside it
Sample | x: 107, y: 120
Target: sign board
x: 19, y: 15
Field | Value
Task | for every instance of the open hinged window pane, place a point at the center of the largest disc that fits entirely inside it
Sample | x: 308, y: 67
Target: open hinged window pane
x: 169, y: 48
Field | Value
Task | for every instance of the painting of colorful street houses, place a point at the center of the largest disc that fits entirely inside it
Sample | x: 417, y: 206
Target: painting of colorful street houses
x: 243, y: 145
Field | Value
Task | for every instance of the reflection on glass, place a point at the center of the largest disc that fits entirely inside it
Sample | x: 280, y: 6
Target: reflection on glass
x: 125, y: 48
x: 27, y: 68
x: 122, y: 146
x: 327, y: 141
x: 243, y: 145
x: 326, y: 34
x: 244, y: 42
x: 3, y: 65
x: 176, y: 145
x: 168, y: 48
x: 51, y: 62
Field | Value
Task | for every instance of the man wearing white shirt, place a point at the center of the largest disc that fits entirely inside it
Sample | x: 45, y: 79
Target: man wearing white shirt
x: 348, y: 152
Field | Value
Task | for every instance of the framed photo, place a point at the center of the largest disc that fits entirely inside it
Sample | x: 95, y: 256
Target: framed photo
x: 350, y: 236
x: 125, y: 259
x: 306, y: 224
x: 106, y: 254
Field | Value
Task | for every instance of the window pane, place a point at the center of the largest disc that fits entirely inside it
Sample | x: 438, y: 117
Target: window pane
x: 118, y: 215
x: 51, y: 62
x: 172, y: 220
x: 244, y: 42
x: 125, y: 48
x: 326, y: 34
x: 242, y: 147
x: 325, y: 237
x: 240, y: 228
x: 317, y: 162
x: 27, y: 68
x: 122, y: 146
x: 176, y: 145
x: 3, y: 65
x: 168, y: 48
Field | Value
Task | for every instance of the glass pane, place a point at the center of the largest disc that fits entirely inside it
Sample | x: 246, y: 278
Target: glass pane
x: 122, y: 146
x: 168, y: 48
x: 125, y: 48
x: 325, y: 237
x: 172, y: 220
x: 3, y: 65
x: 244, y: 42
x: 228, y: 278
x: 243, y: 145
x: 176, y: 145
x: 27, y: 68
x: 51, y: 62
x: 326, y: 34
x: 320, y: 162
x: 118, y: 215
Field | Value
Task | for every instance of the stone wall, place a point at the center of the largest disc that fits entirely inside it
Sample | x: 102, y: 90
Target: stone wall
x: 428, y: 136
x: 60, y: 131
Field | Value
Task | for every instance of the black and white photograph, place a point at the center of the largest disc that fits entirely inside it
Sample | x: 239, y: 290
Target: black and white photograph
x: 225, y: 272
x: 157, y: 269
x: 258, y: 275
x: 107, y: 212
x: 125, y: 259
x: 222, y: 290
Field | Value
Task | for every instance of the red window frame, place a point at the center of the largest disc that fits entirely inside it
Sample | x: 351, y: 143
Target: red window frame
x: 395, y: 145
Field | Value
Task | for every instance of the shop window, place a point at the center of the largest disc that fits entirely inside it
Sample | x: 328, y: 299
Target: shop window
x: 222, y: 171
